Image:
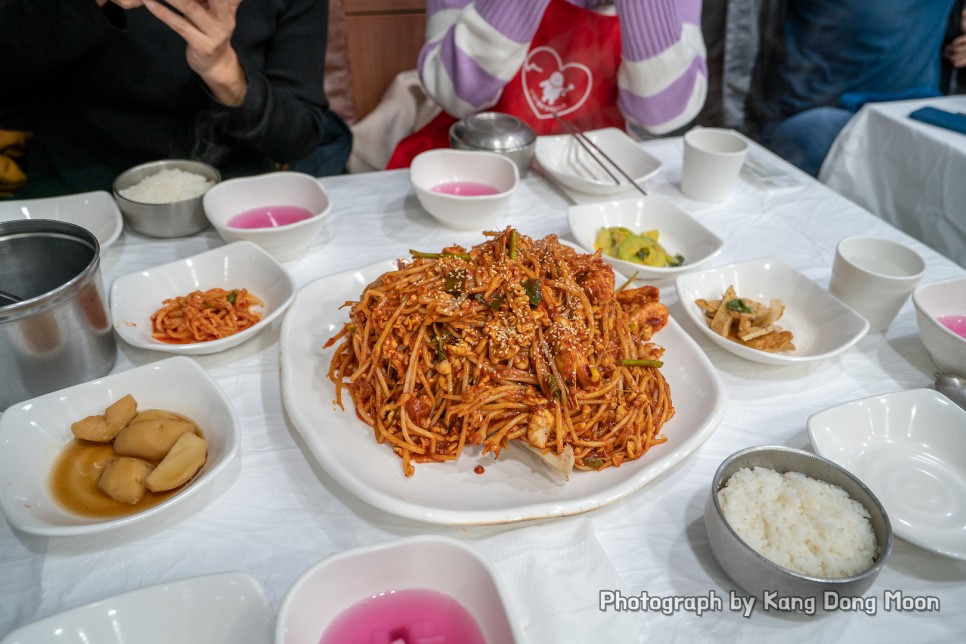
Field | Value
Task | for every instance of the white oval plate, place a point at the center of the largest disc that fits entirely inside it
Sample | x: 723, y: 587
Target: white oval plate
x: 136, y: 296
x: 223, y: 608
x: 451, y: 493
x: 96, y: 211
x: 822, y: 326
x: 567, y: 162
x: 679, y: 233
x: 176, y: 384
x: 909, y: 448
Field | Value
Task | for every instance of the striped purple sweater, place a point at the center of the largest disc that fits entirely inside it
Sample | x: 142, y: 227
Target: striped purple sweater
x: 474, y: 48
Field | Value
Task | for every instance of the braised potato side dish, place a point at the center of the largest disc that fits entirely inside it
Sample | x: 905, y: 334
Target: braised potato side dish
x: 123, y: 461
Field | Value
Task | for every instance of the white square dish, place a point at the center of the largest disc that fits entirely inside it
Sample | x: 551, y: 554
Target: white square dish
x: 567, y: 162
x: 223, y: 608
x: 34, y: 433
x: 679, y: 233
x: 822, y: 326
x: 135, y: 297
x: 96, y: 211
x: 909, y: 448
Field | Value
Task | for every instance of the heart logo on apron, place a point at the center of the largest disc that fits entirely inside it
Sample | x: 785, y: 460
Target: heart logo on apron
x: 552, y: 87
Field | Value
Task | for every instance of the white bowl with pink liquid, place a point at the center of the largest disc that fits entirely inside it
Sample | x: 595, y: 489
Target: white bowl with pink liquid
x: 282, y: 212
x: 941, y: 317
x: 464, y: 189
x: 424, y: 588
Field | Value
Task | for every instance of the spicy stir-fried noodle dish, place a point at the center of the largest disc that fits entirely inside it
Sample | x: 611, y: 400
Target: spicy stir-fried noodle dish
x: 515, y: 341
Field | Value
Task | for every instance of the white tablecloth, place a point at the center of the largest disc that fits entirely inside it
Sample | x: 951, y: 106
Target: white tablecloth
x: 276, y: 512
x: 909, y: 173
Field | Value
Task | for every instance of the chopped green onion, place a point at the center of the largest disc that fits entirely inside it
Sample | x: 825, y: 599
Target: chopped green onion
x: 231, y: 297
x: 494, y: 303
x: 455, y: 282
x: 633, y: 362
x: 554, y: 389
x: 532, y: 288
x: 513, y: 244
x: 629, y: 281
x: 440, y: 340
x: 739, y: 306
x: 421, y: 255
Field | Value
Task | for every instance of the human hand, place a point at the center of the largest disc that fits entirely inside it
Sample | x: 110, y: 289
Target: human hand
x: 955, y: 50
x: 207, y: 27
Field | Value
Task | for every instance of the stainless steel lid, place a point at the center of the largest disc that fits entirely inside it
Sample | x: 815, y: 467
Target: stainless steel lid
x: 494, y: 131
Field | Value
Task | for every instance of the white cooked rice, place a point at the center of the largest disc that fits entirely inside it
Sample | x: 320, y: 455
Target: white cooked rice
x: 167, y: 186
x: 805, y: 525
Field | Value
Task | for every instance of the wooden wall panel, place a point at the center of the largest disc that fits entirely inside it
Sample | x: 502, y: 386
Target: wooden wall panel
x: 384, y: 6
x: 384, y: 38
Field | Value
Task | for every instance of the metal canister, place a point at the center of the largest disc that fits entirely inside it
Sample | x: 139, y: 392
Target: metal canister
x: 55, y: 328
x: 496, y: 132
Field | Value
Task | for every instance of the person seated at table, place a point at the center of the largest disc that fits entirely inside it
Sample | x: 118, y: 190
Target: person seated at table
x: 638, y: 64
x: 111, y: 84
x: 834, y: 56
x: 954, y: 51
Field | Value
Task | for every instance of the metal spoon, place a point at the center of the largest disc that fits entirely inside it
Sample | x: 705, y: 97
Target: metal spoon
x: 953, y: 387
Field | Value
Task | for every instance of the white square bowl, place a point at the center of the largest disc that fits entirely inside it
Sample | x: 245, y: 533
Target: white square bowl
x: 427, y: 562
x: 34, y: 433
x: 822, y: 326
x: 221, y: 608
x: 96, y: 211
x: 136, y: 296
x: 909, y: 448
x: 679, y: 232
x: 568, y: 163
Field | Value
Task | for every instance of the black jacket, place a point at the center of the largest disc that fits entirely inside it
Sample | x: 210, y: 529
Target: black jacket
x: 106, y: 89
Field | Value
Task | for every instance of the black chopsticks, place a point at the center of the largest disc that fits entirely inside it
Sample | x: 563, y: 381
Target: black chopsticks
x: 596, y: 153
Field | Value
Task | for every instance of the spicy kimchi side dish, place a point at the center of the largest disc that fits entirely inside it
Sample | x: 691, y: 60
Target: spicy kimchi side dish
x: 202, y: 316
x: 515, y: 340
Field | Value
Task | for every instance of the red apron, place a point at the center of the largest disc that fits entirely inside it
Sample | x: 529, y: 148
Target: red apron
x: 570, y: 70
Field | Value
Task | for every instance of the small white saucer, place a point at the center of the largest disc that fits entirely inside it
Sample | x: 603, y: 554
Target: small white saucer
x: 909, y: 448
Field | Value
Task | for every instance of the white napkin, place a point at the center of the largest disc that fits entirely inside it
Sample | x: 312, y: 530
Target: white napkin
x: 553, y: 575
x: 765, y: 175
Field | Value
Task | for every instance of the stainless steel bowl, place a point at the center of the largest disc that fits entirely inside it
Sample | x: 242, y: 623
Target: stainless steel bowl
x: 55, y: 329
x: 175, y: 219
x: 757, y: 575
x: 496, y: 132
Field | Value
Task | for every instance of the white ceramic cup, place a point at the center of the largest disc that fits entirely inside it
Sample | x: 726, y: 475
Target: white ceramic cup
x: 712, y: 160
x: 874, y: 277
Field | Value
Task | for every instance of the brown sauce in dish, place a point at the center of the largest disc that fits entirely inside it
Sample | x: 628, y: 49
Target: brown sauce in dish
x: 73, y: 482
